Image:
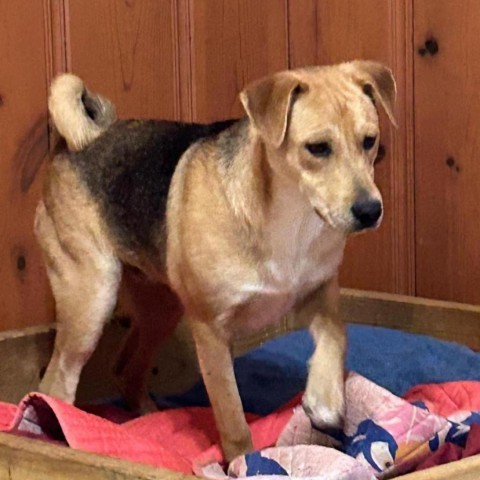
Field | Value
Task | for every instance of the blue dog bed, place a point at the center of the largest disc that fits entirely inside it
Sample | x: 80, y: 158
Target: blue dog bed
x: 272, y: 374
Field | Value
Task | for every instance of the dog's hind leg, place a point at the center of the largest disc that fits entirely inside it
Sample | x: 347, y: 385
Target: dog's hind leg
x: 157, y: 311
x: 84, y: 275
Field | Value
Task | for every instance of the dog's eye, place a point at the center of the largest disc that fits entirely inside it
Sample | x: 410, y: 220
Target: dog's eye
x: 322, y: 149
x: 369, y: 142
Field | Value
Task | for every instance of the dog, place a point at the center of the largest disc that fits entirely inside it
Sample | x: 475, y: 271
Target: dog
x: 236, y: 223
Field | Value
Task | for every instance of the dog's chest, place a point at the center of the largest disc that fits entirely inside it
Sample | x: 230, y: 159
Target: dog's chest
x: 302, y: 252
x: 300, y: 255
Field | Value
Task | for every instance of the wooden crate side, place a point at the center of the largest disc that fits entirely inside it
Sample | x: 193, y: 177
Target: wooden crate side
x: 27, y: 459
x: 451, y: 321
x: 175, y: 369
x: 23, y: 355
x: 24, y: 459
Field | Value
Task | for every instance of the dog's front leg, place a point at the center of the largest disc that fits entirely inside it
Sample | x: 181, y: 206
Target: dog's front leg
x: 324, y: 396
x: 216, y: 365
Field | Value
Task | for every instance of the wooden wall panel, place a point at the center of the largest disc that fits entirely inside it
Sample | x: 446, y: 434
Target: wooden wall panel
x: 188, y: 59
x: 24, y: 293
x: 233, y: 43
x: 128, y: 50
x: 324, y: 32
x: 447, y: 173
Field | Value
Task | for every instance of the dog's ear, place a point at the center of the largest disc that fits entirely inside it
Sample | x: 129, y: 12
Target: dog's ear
x: 378, y: 83
x: 268, y: 103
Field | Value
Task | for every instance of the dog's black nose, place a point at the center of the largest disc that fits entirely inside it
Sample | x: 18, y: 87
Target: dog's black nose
x: 367, y: 212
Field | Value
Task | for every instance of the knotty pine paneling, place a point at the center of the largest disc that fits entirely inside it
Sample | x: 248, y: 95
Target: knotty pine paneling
x: 24, y: 292
x: 129, y: 51
x: 233, y: 43
x: 447, y: 165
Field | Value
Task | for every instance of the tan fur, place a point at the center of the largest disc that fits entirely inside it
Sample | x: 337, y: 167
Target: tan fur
x: 247, y: 242
x: 68, y: 112
x: 84, y: 274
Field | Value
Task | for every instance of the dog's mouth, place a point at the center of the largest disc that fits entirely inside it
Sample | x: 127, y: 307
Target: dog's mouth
x: 317, y: 211
x: 346, y: 229
x: 359, y: 228
x: 326, y: 218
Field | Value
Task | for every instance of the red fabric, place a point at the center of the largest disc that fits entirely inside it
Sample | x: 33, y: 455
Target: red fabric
x: 449, y: 452
x: 447, y: 398
x: 265, y: 432
x: 7, y: 412
x: 173, y: 439
x: 109, y: 412
x: 56, y: 420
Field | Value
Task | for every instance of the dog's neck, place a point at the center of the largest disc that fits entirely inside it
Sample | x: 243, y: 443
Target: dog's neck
x: 255, y: 191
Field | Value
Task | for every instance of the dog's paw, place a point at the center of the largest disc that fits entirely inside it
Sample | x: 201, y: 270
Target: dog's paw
x: 240, y: 445
x: 326, y: 409
x: 145, y: 406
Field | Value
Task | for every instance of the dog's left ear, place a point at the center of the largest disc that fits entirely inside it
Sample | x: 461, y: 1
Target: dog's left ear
x: 268, y: 103
x: 377, y: 82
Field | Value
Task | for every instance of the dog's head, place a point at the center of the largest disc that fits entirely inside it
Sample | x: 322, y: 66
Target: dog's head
x: 321, y: 128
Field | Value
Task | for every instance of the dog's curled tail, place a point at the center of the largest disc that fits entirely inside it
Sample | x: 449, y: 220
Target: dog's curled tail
x: 80, y: 116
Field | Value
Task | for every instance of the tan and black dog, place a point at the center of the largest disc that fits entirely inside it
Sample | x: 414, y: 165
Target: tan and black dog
x: 237, y: 222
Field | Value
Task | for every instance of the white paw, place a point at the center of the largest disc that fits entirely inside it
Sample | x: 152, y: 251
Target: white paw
x: 325, y: 409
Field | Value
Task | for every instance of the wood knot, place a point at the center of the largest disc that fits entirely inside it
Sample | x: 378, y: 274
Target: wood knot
x: 382, y: 151
x: 18, y: 257
x: 21, y: 263
x: 430, y: 46
x: 451, y: 163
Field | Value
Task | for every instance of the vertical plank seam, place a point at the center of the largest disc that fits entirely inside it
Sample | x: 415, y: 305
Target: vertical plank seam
x: 243, y: 70
x: 191, y: 65
x: 410, y: 139
x: 396, y: 216
x: 55, y: 36
x: 49, y: 69
x: 317, y: 34
x: 287, y: 33
x: 55, y: 48
x: 48, y: 39
x: 182, y: 59
x: 67, y: 51
x: 403, y: 231
x: 189, y: 14
x: 175, y: 25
